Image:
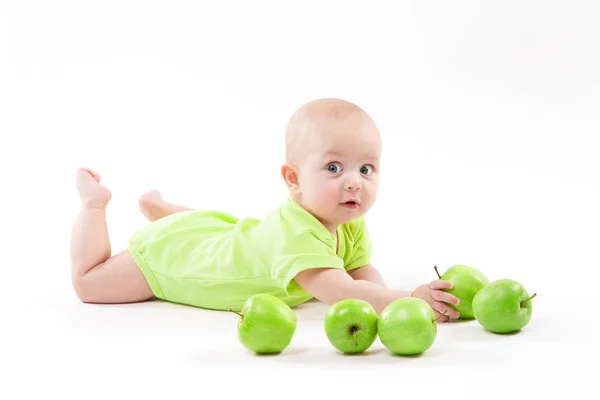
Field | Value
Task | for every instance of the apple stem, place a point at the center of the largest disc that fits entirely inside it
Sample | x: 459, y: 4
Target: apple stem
x: 436, y: 271
x: 525, y: 301
x: 235, y: 312
x: 355, y: 340
x: 444, y: 313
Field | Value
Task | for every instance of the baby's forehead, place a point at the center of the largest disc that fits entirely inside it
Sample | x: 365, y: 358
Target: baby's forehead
x: 344, y: 143
x: 357, y: 130
x: 330, y: 125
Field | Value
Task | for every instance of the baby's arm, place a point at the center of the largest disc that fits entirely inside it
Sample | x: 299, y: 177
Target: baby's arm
x: 368, y: 273
x: 331, y: 285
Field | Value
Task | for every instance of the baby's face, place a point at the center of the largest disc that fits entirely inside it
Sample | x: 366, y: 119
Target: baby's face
x: 339, y: 173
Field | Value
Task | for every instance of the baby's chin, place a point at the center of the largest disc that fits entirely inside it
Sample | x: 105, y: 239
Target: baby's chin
x: 345, y: 215
x: 338, y: 215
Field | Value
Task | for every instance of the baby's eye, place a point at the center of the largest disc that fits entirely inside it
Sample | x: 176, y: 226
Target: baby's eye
x: 334, y: 168
x: 366, y: 169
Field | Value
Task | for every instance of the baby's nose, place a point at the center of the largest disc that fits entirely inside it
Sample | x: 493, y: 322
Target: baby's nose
x: 352, y: 185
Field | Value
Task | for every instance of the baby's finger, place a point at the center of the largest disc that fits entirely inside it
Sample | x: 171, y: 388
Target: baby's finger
x: 444, y: 297
x: 439, y: 284
x: 444, y: 308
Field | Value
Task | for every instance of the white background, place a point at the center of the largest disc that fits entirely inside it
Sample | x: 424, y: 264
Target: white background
x: 489, y: 113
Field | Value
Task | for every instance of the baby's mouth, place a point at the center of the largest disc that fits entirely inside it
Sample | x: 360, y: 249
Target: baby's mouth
x: 350, y: 204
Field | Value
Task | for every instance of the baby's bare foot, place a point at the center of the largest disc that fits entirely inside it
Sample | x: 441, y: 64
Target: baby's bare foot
x: 92, y: 193
x: 148, y: 203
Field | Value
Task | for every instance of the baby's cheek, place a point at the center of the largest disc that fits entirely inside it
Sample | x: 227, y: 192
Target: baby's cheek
x: 372, y: 191
x: 330, y: 196
x: 323, y: 194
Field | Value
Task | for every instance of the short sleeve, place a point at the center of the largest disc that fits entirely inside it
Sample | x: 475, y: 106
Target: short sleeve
x: 302, y: 252
x: 359, y: 247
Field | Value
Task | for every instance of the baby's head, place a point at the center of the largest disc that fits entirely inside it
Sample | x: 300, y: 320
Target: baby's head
x: 333, y: 149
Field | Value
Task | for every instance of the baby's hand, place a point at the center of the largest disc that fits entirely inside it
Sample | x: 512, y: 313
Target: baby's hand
x: 433, y: 294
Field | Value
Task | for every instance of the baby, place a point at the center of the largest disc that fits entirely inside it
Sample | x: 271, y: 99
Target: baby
x: 315, y: 244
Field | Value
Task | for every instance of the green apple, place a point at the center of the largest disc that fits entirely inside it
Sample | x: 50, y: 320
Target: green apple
x: 351, y: 325
x: 466, y: 282
x: 503, y: 306
x: 407, y: 326
x: 266, y: 324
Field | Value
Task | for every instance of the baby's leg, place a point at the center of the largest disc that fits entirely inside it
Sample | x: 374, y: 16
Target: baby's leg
x: 96, y: 276
x: 154, y: 207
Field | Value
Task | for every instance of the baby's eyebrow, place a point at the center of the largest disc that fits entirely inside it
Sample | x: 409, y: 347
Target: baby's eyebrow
x: 330, y: 154
x: 336, y: 154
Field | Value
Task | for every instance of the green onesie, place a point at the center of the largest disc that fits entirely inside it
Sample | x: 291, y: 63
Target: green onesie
x: 213, y: 260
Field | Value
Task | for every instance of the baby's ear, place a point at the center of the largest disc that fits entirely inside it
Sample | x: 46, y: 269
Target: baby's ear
x: 290, y: 177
